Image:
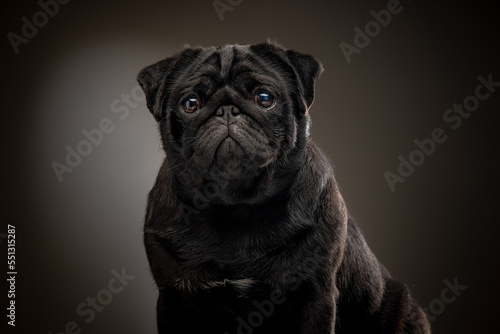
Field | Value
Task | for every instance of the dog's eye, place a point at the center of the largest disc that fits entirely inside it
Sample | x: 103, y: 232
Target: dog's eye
x: 264, y: 99
x: 191, y: 105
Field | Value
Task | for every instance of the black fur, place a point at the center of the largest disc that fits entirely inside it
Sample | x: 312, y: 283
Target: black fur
x: 246, y: 230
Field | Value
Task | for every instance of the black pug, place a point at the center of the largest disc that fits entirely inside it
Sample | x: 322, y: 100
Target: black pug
x: 246, y: 230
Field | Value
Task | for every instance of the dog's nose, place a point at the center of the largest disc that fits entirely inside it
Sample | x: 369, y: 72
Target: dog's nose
x: 229, y: 110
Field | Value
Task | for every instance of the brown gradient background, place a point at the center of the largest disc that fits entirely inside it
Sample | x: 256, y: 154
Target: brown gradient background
x: 440, y: 224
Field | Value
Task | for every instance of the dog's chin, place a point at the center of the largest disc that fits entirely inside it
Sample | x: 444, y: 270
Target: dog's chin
x: 227, y: 177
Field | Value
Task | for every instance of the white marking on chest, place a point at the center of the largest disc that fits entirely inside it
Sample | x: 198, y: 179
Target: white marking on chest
x: 240, y: 285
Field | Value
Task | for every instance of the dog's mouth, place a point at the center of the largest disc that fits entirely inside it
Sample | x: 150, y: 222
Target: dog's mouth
x: 228, y: 147
x: 227, y: 150
x: 232, y: 161
x: 235, y: 151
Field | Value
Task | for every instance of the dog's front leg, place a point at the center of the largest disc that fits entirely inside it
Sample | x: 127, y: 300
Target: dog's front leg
x: 319, y: 312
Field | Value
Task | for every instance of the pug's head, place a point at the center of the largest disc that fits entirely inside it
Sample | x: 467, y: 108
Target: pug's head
x: 235, y: 117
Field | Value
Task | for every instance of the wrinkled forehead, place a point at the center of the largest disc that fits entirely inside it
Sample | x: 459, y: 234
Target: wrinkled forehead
x: 231, y: 64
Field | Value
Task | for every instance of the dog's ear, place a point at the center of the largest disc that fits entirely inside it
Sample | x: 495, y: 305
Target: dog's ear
x: 157, y: 79
x: 151, y: 79
x: 307, y: 70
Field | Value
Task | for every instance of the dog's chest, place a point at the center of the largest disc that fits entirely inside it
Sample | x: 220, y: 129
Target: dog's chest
x: 230, y: 269
x: 228, y: 258
x: 206, y: 269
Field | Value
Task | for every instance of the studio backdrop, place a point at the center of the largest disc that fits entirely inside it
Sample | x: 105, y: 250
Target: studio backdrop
x: 406, y: 109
